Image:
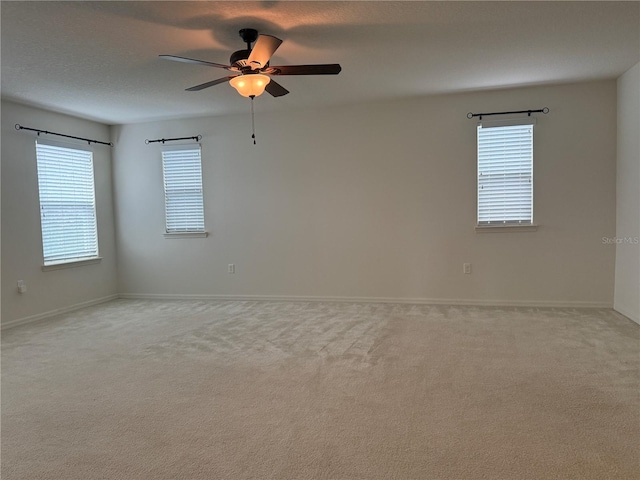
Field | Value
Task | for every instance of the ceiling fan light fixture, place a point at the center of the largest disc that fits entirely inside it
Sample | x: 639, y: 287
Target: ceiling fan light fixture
x: 250, y: 85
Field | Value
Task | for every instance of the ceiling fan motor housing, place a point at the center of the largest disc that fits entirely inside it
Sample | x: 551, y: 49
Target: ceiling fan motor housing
x: 239, y: 57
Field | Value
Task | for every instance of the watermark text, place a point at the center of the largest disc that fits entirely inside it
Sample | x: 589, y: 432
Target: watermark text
x: 620, y: 240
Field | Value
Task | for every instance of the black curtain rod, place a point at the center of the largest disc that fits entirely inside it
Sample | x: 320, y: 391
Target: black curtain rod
x: 197, y: 138
x: 88, y: 140
x: 544, y: 110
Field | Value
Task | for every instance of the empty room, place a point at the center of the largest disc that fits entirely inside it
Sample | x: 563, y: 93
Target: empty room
x: 320, y: 240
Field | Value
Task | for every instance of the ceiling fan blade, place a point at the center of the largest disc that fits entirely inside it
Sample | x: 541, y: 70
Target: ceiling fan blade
x: 262, y: 50
x: 210, y: 84
x: 275, y: 89
x: 194, y: 61
x: 327, y: 69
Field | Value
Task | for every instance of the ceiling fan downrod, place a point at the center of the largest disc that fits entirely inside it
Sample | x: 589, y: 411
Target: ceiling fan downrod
x: 248, y: 35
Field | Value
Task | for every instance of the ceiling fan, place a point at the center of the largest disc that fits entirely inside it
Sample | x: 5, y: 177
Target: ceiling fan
x: 251, y: 67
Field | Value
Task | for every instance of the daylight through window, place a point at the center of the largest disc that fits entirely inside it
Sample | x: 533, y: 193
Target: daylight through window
x: 505, y: 174
x: 67, y: 203
x: 182, y: 169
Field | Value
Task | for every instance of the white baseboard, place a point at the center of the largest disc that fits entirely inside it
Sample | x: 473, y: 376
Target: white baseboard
x: 627, y: 313
x: 419, y: 301
x: 58, y: 311
x: 292, y: 298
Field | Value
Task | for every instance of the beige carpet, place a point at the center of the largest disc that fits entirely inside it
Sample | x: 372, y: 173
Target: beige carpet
x: 137, y: 389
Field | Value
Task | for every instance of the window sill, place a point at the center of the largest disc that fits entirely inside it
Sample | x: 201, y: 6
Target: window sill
x: 186, y: 235
x: 72, y: 264
x: 505, y: 228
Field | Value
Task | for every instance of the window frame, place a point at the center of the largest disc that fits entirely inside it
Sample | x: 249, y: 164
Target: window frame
x: 189, y: 231
x: 500, y: 224
x: 79, y: 256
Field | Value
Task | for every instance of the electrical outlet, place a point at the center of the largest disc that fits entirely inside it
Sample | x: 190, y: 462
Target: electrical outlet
x: 231, y: 268
x: 466, y: 268
x: 22, y: 286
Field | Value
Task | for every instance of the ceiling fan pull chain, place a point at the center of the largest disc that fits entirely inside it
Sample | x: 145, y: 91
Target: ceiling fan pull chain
x: 253, y: 124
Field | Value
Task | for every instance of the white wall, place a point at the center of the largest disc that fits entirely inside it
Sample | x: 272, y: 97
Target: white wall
x: 376, y: 201
x: 627, y: 280
x: 21, y: 238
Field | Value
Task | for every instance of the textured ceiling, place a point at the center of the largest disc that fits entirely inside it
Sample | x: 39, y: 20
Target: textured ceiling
x: 99, y: 60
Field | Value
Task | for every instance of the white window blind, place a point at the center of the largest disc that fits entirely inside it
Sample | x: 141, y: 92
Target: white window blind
x: 182, y: 169
x: 505, y: 175
x: 67, y: 203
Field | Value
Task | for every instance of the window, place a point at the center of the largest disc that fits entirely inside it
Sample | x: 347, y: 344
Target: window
x: 505, y: 173
x: 67, y: 203
x: 182, y: 170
